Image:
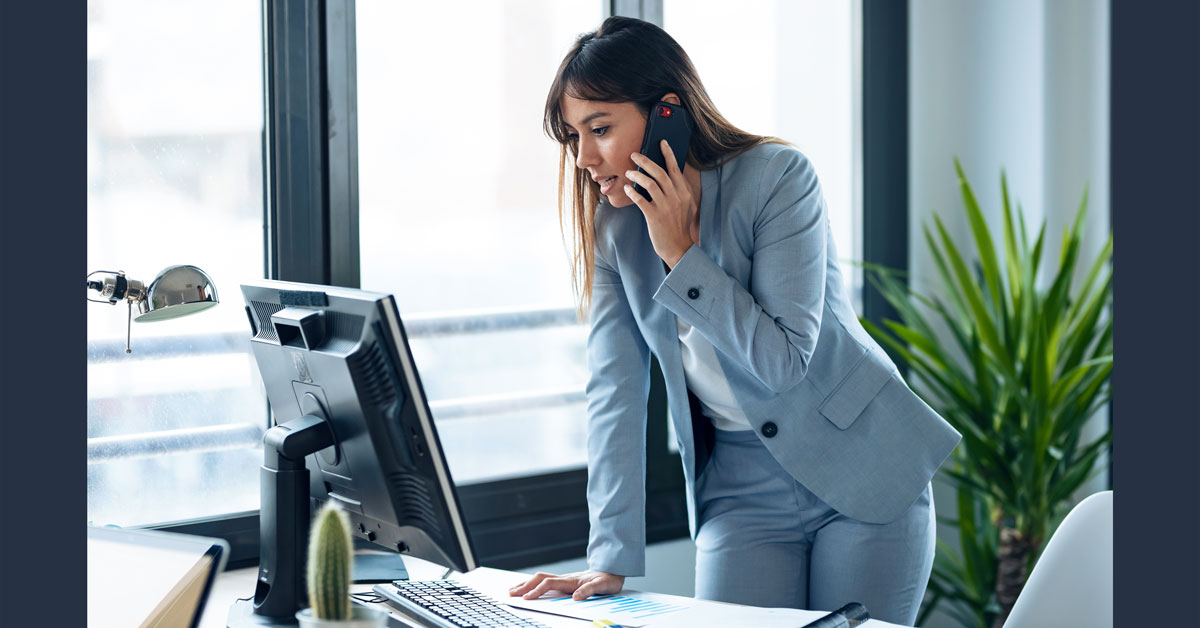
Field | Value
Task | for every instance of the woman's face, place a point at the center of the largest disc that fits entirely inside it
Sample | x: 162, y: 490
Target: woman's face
x: 608, y: 134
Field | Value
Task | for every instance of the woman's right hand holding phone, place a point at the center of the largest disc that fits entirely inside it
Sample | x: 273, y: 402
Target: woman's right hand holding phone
x: 581, y: 585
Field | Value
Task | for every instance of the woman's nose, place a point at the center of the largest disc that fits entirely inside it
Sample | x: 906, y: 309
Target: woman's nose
x: 586, y: 155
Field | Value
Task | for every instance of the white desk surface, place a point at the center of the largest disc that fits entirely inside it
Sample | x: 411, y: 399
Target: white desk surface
x: 239, y: 583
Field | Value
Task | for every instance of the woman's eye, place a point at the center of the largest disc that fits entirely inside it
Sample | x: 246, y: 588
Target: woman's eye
x: 600, y: 130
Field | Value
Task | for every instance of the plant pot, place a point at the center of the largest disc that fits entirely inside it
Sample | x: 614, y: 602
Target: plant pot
x: 360, y: 617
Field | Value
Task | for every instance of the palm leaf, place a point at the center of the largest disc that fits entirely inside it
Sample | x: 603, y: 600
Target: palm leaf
x: 1083, y: 332
x: 947, y: 279
x: 1012, y: 256
x: 983, y: 243
x: 1085, y: 291
x: 972, y: 295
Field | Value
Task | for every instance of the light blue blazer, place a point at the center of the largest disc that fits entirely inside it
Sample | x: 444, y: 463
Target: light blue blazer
x: 763, y: 286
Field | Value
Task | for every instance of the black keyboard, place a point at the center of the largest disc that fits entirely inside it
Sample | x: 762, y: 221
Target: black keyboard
x: 449, y: 604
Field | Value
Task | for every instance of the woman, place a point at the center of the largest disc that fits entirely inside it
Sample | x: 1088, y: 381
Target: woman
x: 807, y: 459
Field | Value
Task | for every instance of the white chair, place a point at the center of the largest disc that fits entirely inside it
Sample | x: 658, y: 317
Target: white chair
x: 1072, y: 581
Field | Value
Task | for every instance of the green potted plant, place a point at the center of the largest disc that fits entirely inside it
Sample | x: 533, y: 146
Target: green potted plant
x: 1018, y: 369
x: 330, y: 556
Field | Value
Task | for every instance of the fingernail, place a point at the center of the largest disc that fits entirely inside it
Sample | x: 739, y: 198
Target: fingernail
x: 629, y: 173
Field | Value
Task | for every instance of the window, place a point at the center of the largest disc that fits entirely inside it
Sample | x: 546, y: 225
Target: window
x: 458, y: 218
x: 174, y: 171
x: 788, y: 69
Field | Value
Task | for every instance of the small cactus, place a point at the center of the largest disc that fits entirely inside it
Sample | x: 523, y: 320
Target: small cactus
x: 330, y: 553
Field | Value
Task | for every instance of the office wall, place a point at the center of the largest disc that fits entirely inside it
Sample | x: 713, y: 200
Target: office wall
x: 1020, y: 85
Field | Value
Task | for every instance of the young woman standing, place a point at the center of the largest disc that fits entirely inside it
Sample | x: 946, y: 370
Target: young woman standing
x: 806, y: 456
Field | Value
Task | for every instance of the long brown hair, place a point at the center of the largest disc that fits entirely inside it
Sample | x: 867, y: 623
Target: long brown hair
x: 628, y: 60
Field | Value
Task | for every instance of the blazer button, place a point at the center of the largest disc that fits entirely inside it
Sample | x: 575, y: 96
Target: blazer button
x: 769, y: 429
x: 693, y: 293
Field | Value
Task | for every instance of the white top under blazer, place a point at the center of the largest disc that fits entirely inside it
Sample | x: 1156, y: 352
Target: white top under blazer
x: 707, y: 381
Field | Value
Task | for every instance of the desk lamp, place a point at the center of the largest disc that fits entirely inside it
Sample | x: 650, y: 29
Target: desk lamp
x: 176, y: 291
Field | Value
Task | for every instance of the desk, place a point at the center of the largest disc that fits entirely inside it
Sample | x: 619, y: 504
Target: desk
x: 231, y: 585
x: 239, y: 583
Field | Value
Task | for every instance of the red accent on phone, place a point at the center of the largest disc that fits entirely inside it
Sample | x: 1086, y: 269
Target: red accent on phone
x: 672, y: 123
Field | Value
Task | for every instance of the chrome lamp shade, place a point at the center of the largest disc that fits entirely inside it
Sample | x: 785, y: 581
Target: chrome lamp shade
x: 176, y: 291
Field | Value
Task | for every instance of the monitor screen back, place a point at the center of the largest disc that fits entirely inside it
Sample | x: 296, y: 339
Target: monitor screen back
x: 387, y: 470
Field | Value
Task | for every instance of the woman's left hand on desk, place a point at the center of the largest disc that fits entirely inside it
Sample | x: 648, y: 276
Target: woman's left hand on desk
x: 581, y: 585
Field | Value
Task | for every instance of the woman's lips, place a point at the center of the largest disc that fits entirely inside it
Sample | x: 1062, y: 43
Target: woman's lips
x: 606, y: 185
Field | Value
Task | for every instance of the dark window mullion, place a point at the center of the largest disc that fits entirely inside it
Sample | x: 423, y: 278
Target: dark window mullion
x: 648, y: 10
x: 295, y: 131
x: 341, y: 75
x: 885, y: 144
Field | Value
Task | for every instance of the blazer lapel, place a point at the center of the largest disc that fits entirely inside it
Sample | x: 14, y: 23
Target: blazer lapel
x: 710, y: 213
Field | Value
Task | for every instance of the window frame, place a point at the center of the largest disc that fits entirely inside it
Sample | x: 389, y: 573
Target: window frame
x: 884, y: 147
x: 310, y: 217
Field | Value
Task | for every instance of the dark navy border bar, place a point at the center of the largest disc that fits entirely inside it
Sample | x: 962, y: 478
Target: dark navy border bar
x: 43, y: 217
x: 1156, y: 378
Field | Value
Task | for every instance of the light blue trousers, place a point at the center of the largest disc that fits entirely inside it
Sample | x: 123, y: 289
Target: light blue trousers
x: 766, y: 540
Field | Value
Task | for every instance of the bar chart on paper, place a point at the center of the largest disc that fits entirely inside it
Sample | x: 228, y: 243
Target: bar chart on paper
x: 626, y: 609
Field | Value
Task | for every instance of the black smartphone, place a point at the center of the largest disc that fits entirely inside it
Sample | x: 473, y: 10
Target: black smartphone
x: 666, y: 122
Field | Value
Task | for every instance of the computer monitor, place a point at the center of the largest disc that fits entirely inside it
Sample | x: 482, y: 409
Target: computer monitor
x: 352, y: 426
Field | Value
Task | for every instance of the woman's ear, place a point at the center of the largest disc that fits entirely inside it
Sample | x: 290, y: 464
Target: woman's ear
x: 671, y: 98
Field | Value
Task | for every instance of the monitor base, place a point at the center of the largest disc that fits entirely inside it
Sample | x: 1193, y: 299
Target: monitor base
x: 378, y: 568
x: 241, y: 615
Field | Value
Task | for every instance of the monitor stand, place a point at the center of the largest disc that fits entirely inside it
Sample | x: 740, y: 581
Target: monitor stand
x: 283, y: 523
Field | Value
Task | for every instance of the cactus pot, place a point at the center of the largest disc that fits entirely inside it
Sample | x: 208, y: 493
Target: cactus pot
x: 360, y: 617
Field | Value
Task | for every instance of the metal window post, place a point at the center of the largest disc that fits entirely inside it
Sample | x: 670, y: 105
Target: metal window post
x: 311, y: 142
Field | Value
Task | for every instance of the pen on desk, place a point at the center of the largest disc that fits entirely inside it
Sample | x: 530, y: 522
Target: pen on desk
x: 847, y: 616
